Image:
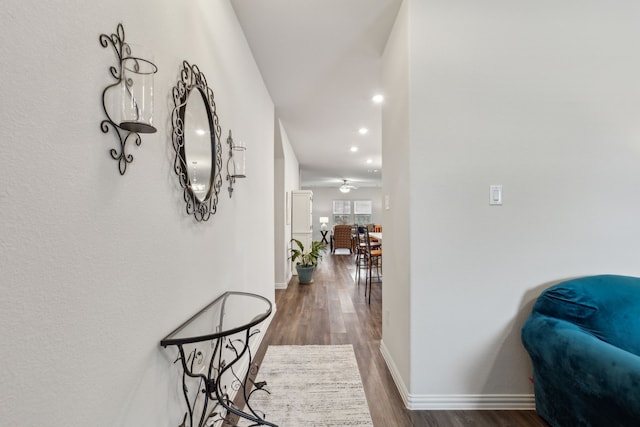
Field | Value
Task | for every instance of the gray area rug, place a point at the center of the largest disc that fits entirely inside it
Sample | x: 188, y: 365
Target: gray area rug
x: 311, y: 385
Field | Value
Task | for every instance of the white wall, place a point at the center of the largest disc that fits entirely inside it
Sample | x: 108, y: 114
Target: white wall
x: 542, y: 98
x: 323, y: 198
x: 396, y: 292
x: 281, y: 229
x: 291, y: 183
x: 98, y: 267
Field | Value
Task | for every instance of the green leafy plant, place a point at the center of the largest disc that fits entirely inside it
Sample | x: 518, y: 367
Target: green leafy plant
x: 307, y: 257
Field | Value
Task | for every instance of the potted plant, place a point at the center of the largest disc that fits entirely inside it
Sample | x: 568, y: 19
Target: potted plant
x: 306, y: 259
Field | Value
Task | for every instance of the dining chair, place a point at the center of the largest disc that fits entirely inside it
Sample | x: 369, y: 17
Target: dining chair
x: 362, y: 262
x: 360, y: 246
x: 342, y: 237
x: 374, y: 257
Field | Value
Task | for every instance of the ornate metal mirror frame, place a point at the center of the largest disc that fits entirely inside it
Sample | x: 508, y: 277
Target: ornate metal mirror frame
x: 201, y: 203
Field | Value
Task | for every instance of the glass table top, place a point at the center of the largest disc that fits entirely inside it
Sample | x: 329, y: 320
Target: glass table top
x: 228, y: 314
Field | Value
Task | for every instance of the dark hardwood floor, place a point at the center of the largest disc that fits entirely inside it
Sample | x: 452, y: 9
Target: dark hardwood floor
x: 333, y: 310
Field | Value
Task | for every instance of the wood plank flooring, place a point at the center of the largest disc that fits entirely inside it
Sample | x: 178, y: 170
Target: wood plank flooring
x: 333, y: 310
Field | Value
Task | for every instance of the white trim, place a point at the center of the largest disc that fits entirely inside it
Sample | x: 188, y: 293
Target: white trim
x: 471, y: 402
x: 362, y: 207
x: 282, y: 285
x: 416, y: 402
x: 402, y: 388
x: 342, y: 207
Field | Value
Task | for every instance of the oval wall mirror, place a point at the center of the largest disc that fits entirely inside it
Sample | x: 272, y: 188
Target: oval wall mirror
x: 196, y: 142
x: 199, y: 148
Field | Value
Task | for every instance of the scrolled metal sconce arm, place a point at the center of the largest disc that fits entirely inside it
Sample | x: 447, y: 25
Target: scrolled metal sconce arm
x: 129, y: 129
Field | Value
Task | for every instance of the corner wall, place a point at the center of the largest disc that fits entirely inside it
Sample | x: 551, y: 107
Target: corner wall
x: 542, y: 98
x: 291, y: 183
x: 98, y: 267
x: 396, y: 187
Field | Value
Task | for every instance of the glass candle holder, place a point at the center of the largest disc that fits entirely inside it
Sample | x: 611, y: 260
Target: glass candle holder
x: 137, y: 95
x: 239, y: 166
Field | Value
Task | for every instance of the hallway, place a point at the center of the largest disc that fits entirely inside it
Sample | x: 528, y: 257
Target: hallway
x: 333, y: 310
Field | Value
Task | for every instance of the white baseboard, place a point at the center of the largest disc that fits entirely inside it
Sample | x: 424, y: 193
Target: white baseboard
x: 395, y: 374
x: 285, y: 284
x: 471, y: 402
x: 425, y: 402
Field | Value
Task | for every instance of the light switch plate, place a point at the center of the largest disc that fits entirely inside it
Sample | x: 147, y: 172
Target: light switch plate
x: 495, y: 194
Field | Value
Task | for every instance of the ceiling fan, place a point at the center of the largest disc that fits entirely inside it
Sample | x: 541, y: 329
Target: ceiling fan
x: 345, y: 188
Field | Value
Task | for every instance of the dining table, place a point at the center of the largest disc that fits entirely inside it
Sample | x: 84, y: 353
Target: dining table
x: 377, y: 236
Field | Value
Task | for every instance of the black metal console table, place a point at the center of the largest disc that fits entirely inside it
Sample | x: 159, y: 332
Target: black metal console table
x: 226, y: 323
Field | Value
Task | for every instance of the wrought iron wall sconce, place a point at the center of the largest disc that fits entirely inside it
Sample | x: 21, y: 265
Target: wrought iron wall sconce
x: 134, y: 76
x: 236, y: 165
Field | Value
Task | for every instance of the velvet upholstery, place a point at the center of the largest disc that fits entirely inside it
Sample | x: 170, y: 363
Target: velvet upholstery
x: 583, y: 337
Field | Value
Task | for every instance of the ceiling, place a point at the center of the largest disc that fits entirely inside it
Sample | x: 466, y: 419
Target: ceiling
x: 320, y: 61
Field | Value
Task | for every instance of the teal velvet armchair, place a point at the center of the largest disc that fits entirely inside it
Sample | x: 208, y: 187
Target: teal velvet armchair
x: 583, y: 337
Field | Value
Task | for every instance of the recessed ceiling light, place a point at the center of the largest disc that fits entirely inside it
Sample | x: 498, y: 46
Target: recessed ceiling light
x: 369, y: 161
x: 354, y: 149
x: 378, y: 99
x: 363, y: 131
